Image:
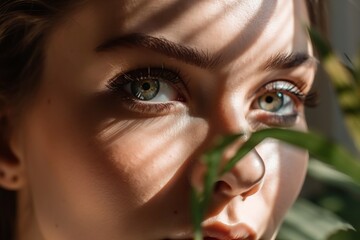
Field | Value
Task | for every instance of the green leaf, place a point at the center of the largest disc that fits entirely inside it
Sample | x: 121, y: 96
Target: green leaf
x: 323, y: 48
x: 317, y: 145
x: 201, y: 200
x: 323, y: 172
x: 306, y: 220
x: 212, y: 160
x: 196, y: 214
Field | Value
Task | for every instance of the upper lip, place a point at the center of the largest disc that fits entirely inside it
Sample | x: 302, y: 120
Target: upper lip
x: 222, y: 231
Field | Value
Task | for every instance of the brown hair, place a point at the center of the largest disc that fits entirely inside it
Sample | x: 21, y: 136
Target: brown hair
x: 24, y: 25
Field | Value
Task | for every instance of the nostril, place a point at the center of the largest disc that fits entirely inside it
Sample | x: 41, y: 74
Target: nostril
x: 222, y: 187
x: 244, y: 179
x: 251, y: 191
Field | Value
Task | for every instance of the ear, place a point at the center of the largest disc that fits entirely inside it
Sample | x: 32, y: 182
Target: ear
x: 12, y: 174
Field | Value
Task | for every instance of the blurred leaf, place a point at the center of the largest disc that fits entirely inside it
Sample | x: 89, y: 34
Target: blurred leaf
x: 196, y: 214
x: 201, y: 199
x: 332, y: 64
x: 212, y: 160
x: 318, y: 146
x: 346, y: 81
x: 307, y: 221
x: 326, y: 174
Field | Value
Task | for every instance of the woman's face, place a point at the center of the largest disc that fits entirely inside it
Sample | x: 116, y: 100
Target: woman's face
x: 134, y: 92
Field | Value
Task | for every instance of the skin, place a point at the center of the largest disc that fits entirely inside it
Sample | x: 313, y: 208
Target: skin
x: 93, y: 168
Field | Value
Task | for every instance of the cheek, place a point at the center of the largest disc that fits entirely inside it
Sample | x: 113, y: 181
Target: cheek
x: 150, y: 156
x: 70, y: 177
x: 67, y: 177
x: 76, y: 178
x: 285, y: 172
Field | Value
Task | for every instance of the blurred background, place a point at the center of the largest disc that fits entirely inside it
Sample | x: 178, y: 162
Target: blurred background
x: 344, y: 35
x: 330, y: 191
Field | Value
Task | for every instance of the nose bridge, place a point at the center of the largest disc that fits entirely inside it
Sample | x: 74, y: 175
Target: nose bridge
x: 228, y: 115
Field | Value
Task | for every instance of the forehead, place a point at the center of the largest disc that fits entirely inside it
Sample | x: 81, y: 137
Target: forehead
x: 230, y: 28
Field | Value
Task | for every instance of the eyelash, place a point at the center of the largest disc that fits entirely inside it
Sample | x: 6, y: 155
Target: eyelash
x: 308, y: 100
x: 311, y: 99
x: 294, y: 92
x: 171, y: 76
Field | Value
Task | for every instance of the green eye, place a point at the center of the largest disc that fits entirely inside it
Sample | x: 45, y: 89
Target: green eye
x: 271, y: 102
x: 145, y: 89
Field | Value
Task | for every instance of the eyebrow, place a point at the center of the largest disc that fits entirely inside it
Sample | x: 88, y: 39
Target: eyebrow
x: 288, y: 60
x: 186, y: 54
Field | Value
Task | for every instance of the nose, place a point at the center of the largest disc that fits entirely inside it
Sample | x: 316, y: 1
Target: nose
x: 246, y: 176
x: 244, y: 179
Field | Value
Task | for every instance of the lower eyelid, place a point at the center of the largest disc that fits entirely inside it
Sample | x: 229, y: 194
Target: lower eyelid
x: 282, y: 121
x: 151, y: 109
x: 267, y: 119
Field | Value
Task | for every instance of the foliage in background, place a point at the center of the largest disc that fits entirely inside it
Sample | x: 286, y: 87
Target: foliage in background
x: 335, y: 192
x: 334, y: 165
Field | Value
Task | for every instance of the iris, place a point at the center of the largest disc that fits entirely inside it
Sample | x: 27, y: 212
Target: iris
x: 272, y: 101
x: 145, y: 89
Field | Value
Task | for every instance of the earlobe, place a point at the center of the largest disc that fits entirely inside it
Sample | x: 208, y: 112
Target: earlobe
x: 11, y: 167
x: 11, y: 175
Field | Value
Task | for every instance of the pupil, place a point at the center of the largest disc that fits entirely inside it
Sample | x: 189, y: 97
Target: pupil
x: 146, y: 86
x: 269, y: 99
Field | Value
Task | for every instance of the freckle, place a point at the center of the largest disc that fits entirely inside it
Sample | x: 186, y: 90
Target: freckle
x: 49, y: 101
x: 176, y: 212
x: 56, y: 225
